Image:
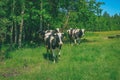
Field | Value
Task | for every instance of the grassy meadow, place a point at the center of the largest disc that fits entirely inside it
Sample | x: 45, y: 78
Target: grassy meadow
x: 96, y: 58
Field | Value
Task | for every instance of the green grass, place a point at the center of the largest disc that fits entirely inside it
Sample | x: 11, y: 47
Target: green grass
x: 96, y: 58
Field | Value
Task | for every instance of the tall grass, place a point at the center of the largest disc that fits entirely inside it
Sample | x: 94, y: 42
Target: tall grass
x: 96, y: 58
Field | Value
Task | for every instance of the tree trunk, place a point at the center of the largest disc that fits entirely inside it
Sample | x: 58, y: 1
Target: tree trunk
x: 41, y: 19
x: 12, y: 27
x: 21, y: 26
x: 15, y: 30
x: 67, y: 19
x: 20, y: 34
x: 11, y: 37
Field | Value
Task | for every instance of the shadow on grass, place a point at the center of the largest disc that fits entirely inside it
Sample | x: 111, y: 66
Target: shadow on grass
x: 48, y: 56
x: 87, y: 40
x: 11, y: 73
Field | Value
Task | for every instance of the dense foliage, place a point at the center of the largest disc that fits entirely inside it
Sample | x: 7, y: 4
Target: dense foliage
x: 20, y: 20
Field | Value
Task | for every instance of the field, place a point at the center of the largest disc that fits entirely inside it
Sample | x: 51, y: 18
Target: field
x: 96, y: 58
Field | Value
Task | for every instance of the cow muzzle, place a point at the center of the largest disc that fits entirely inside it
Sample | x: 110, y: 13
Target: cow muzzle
x: 60, y: 43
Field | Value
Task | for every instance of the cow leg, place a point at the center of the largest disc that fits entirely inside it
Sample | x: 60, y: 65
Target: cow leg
x: 75, y: 41
x: 59, y: 52
x: 51, y: 54
x: 47, y: 54
x: 78, y: 40
x: 71, y: 42
x: 54, y: 56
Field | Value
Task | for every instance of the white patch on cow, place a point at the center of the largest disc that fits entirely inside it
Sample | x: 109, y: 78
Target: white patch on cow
x: 51, y: 38
x: 48, y: 31
x: 60, y: 35
x: 58, y: 30
x: 46, y: 36
x: 76, y: 30
x: 69, y: 31
x: 73, y: 32
x: 83, y: 31
x: 59, y: 53
x: 75, y: 41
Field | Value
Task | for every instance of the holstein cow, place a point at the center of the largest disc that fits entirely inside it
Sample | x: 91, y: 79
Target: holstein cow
x: 53, y: 42
x: 75, y: 34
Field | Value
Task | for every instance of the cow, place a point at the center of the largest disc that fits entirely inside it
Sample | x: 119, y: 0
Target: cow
x: 54, y: 41
x: 75, y: 34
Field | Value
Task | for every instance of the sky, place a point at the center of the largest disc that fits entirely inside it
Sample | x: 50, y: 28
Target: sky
x: 111, y: 6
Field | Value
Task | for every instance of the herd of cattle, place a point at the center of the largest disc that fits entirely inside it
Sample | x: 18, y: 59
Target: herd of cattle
x: 54, y: 40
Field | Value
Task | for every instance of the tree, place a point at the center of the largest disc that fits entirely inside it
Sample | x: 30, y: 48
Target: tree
x: 22, y: 2
x: 20, y: 20
x: 116, y: 21
x: 107, y: 21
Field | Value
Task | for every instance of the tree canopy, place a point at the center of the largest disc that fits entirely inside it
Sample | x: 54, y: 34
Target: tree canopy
x: 20, y: 20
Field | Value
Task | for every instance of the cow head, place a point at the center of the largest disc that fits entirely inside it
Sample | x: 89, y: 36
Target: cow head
x: 83, y: 31
x: 59, y: 38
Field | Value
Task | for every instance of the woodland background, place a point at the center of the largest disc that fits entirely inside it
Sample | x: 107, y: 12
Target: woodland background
x: 21, y: 20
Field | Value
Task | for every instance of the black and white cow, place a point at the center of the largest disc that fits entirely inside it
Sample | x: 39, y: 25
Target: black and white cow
x: 75, y: 35
x: 53, y: 42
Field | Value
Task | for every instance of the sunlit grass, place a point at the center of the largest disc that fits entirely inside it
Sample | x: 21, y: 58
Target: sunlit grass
x: 96, y: 58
